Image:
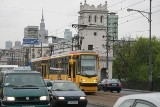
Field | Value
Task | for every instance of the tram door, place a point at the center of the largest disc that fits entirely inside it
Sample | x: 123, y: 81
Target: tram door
x: 44, y: 70
x: 72, y: 71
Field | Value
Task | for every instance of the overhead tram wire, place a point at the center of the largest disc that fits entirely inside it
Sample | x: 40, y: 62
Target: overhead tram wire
x: 137, y: 18
x: 121, y: 10
x: 63, y: 26
x: 136, y: 12
x: 156, y: 11
x: 37, y: 10
x: 118, y: 24
x: 130, y: 6
x: 116, y: 3
x: 76, y: 20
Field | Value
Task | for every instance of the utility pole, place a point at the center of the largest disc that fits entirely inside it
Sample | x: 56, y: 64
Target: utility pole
x: 108, y: 38
x: 150, y: 44
x: 41, y: 50
x: 33, y: 51
x: 26, y: 56
x: 79, y: 39
x: 12, y: 55
x: 52, y: 45
x: 150, y: 51
x: 72, y: 42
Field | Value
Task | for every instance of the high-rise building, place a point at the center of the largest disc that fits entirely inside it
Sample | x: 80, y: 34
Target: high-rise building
x: 113, y: 25
x: 67, y: 34
x: 17, y: 45
x: 8, y: 45
x: 31, y: 32
x: 42, y: 32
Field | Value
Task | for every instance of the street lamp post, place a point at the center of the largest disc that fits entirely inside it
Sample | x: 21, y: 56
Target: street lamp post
x: 150, y: 45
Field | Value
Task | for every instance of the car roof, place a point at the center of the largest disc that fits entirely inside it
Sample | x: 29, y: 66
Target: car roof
x: 153, y: 97
x: 19, y: 72
x: 22, y: 68
x: 111, y: 80
x: 60, y: 81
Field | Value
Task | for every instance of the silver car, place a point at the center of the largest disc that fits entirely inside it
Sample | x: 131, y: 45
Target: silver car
x: 139, y: 100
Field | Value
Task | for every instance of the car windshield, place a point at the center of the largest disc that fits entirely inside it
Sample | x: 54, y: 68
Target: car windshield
x: 23, y: 80
x: 65, y: 86
x: 114, y: 80
x: 110, y: 80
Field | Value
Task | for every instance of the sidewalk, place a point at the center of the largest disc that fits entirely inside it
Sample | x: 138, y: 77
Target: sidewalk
x: 144, y: 91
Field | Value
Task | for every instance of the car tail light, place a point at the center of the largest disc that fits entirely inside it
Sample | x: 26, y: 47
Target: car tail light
x: 107, y: 84
x: 119, y: 84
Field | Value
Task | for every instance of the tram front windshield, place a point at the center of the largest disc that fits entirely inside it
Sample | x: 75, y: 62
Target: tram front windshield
x: 88, y: 65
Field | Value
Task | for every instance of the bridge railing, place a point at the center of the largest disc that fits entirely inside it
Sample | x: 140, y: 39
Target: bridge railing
x: 140, y: 85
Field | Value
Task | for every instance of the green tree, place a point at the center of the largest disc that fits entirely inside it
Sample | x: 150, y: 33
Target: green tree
x: 134, y: 60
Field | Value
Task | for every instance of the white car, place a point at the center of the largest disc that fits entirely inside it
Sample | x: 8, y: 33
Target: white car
x: 139, y: 100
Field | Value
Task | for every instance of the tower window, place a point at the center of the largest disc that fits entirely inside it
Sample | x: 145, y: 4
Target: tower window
x: 95, y: 33
x: 95, y: 18
x: 90, y: 47
x: 101, y: 19
x: 89, y: 19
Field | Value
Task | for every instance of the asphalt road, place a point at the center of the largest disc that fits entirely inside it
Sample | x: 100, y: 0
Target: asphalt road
x: 90, y: 105
x: 107, y: 99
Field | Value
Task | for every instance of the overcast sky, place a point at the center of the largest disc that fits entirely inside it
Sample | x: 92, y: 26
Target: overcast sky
x: 60, y: 14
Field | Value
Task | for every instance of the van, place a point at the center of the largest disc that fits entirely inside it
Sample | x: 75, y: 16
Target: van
x: 7, y: 67
x: 23, y: 89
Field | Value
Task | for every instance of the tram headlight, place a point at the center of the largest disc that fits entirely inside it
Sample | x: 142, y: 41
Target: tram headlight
x: 95, y: 80
x: 83, y: 80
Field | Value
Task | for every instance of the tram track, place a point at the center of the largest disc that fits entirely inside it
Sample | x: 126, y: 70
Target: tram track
x: 104, y: 99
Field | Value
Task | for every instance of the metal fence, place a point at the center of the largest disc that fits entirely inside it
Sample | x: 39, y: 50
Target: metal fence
x: 140, y: 85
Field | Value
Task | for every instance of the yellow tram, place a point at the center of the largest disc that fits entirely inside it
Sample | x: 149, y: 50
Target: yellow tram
x: 79, y: 66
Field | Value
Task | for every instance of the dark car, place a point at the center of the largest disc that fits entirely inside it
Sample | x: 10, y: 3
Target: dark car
x: 66, y: 93
x: 23, y: 88
x: 110, y: 84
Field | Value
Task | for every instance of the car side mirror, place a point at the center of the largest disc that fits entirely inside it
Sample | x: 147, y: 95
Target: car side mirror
x: 49, y: 84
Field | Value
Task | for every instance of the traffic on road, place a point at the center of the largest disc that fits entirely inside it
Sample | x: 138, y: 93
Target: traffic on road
x: 23, y: 87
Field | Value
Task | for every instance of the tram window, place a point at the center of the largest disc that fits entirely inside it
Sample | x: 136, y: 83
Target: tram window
x: 90, y: 47
x: 74, y: 70
x: 45, y: 70
x: 69, y: 71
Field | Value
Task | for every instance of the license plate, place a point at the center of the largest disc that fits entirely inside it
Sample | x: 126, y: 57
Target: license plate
x: 72, y: 102
x: 114, y: 84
